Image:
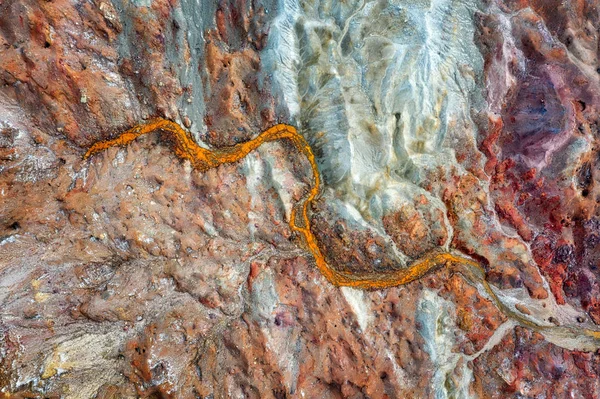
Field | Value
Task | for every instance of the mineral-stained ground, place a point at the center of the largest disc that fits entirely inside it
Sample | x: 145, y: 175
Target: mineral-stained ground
x: 459, y: 127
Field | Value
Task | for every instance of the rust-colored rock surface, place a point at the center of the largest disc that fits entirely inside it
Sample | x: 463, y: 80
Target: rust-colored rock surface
x: 461, y: 131
x: 524, y: 364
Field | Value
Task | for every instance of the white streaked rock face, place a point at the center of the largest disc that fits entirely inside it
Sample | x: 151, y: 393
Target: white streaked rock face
x: 452, y: 377
x: 91, y: 356
x: 360, y: 307
x: 381, y: 89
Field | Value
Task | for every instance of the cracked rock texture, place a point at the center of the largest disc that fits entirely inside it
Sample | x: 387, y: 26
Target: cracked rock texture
x: 438, y: 125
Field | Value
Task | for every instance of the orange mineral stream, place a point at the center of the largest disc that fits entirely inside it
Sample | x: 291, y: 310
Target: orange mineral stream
x: 203, y: 159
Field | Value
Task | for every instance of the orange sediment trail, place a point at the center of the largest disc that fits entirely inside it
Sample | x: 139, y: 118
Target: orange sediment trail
x: 203, y: 159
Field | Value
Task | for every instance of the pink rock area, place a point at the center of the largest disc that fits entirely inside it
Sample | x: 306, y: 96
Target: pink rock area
x: 542, y: 143
x: 132, y: 275
x: 543, y: 138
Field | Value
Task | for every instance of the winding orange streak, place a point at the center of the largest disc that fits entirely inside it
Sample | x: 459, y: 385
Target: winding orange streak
x: 203, y: 159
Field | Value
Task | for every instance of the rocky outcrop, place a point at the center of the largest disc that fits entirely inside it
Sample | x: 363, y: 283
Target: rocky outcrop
x: 467, y: 128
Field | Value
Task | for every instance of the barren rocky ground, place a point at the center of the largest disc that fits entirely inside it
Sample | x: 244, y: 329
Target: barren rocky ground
x: 461, y: 127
